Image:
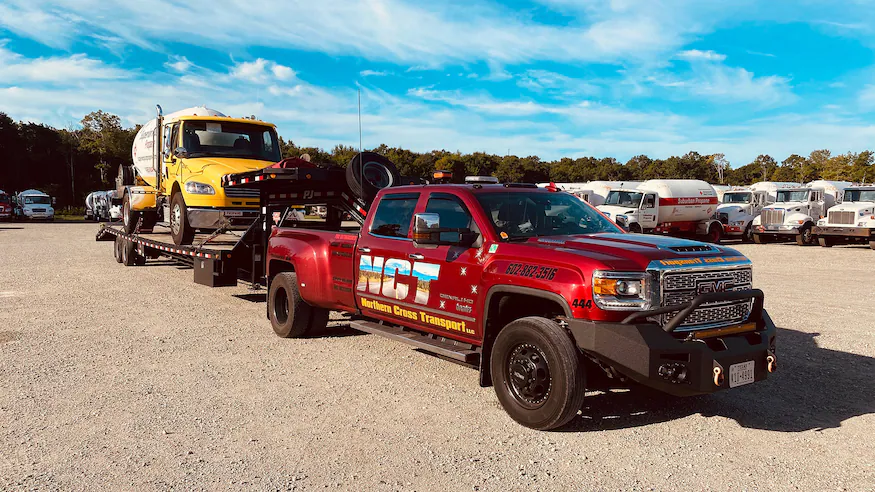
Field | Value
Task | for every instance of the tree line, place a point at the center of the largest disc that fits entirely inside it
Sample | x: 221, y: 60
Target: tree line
x: 69, y: 163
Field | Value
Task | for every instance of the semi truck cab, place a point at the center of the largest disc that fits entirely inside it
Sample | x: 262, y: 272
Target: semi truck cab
x: 738, y: 209
x: 852, y: 221
x: 793, y: 215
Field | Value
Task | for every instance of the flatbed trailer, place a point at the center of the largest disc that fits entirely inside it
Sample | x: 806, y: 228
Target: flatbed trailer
x: 222, y: 258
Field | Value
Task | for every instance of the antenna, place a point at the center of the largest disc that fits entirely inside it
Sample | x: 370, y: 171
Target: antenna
x: 361, y: 164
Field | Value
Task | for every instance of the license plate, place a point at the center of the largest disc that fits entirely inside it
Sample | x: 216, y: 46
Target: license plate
x: 741, y: 374
x: 233, y: 213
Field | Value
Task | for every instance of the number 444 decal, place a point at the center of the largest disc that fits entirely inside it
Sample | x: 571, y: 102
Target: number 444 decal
x: 582, y: 303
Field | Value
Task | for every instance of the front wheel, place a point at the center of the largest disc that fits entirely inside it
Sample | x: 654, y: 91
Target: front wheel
x: 715, y: 232
x: 180, y: 229
x: 538, y: 375
x: 826, y: 242
x: 759, y: 239
x: 130, y: 217
x: 805, y: 237
x: 748, y: 234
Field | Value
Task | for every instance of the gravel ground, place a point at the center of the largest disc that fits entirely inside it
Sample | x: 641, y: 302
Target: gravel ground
x: 137, y: 378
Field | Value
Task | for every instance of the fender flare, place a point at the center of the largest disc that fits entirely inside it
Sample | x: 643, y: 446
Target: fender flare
x: 486, y: 349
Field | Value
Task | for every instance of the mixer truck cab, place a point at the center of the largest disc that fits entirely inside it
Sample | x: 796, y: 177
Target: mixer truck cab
x: 666, y: 206
x: 737, y: 210
x: 179, y: 161
x: 34, y: 204
x: 851, y: 221
x: 796, y: 211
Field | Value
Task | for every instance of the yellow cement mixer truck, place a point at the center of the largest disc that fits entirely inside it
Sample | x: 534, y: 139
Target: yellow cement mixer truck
x: 178, y: 162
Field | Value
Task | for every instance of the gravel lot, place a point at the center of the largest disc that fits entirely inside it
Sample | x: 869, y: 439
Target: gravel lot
x: 137, y: 378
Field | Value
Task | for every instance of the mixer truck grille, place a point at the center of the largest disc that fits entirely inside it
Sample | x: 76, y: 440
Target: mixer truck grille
x: 842, y: 217
x: 772, y: 217
x: 235, y: 192
x: 681, y: 287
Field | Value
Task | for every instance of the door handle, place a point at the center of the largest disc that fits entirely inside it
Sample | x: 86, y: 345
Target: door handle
x: 364, y: 250
x: 416, y: 256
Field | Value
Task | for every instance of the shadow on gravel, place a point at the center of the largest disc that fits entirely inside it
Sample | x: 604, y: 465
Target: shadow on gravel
x: 814, y: 388
x: 10, y: 228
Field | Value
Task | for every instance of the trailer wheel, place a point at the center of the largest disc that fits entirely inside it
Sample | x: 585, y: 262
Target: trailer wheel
x: 825, y: 242
x: 117, y: 247
x: 290, y: 315
x: 805, y: 238
x: 180, y: 229
x: 128, y: 253
x: 538, y: 375
x: 368, y: 173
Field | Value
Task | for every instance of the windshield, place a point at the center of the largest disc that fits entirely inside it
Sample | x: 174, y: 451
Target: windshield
x: 221, y: 139
x: 793, y: 196
x: 623, y: 198
x: 736, y: 198
x: 37, y: 200
x: 860, y: 196
x: 4, y: 198
x: 521, y: 215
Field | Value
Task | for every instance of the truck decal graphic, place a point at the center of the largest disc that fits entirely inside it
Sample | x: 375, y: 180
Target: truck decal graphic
x: 396, y: 278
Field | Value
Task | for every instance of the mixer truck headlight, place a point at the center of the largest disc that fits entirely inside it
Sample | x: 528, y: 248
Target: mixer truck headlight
x: 618, y: 291
x: 196, y: 188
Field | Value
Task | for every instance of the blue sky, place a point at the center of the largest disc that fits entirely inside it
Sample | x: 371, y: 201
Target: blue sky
x: 546, y: 77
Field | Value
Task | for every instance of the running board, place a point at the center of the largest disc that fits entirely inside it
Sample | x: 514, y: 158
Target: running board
x: 437, y: 345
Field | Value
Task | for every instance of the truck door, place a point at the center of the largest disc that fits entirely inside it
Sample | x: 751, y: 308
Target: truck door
x: 816, y: 210
x: 649, y: 207
x: 384, y: 269
x: 171, y: 164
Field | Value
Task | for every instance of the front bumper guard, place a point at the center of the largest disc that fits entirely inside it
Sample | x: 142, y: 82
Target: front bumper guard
x: 843, y: 231
x: 657, y: 357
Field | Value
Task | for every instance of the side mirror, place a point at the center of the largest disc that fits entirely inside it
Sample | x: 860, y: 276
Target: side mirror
x: 427, y: 228
x: 54, y: 201
x: 180, y: 152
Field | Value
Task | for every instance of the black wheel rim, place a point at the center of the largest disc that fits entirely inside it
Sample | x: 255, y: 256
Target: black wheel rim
x: 806, y: 236
x: 528, y: 375
x: 281, y: 306
x: 377, y: 175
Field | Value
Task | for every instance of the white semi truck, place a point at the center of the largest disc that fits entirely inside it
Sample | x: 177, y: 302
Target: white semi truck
x: 796, y: 211
x: 740, y: 206
x: 34, y: 204
x: 666, y: 206
x: 851, y: 221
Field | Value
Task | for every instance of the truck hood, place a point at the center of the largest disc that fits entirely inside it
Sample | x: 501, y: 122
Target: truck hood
x: 630, y: 252
x: 613, y: 210
x: 853, y: 207
x: 729, y: 208
x: 787, y: 205
x: 213, y: 168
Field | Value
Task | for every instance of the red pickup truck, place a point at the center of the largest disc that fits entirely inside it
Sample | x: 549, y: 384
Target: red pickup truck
x: 532, y: 285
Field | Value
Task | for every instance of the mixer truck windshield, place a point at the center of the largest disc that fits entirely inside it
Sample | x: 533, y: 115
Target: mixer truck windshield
x: 521, y: 215
x: 624, y: 198
x: 224, y: 139
x: 859, y: 196
x: 736, y: 198
x: 37, y: 200
x: 792, y: 196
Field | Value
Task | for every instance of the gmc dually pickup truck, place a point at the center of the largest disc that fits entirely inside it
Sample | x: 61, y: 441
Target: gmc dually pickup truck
x: 532, y: 285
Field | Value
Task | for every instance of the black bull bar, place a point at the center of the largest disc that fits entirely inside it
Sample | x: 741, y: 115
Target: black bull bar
x: 684, y: 310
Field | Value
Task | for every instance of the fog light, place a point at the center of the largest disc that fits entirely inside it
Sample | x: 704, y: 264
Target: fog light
x: 675, y: 373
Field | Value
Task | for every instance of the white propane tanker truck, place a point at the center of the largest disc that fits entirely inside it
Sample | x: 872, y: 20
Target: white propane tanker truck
x: 740, y: 206
x: 852, y: 221
x: 592, y: 192
x: 796, y: 211
x: 179, y: 161
x: 682, y: 207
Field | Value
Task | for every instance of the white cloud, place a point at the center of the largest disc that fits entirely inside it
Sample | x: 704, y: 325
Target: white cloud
x: 282, y: 72
x: 555, y: 83
x: 373, y: 73
x: 866, y: 97
x: 261, y: 71
x: 699, y: 55
x: 178, y: 63
x: 61, y: 69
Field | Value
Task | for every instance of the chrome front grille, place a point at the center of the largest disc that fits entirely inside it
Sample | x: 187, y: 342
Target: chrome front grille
x: 234, y: 192
x: 682, y: 286
x: 836, y: 217
x: 770, y: 216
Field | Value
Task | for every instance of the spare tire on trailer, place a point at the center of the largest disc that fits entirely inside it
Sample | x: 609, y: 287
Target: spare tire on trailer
x: 368, y: 173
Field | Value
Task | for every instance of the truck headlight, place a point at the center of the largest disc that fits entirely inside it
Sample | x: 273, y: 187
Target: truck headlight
x: 620, y: 291
x: 196, y: 188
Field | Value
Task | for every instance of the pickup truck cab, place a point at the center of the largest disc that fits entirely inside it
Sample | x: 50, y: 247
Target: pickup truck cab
x: 534, y: 286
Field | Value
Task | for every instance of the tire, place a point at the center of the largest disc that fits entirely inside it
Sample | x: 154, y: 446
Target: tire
x: 118, y: 249
x: 805, y: 238
x: 180, y: 229
x: 825, y: 242
x: 130, y: 217
x: 758, y: 239
x: 541, y: 351
x: 291, y: 316
x: 872, y: 243
x: 125, y: 176
x: 368, y: 173
x: 129, y: 253
x: 715, y: 232
x: 635, y: 229
x: 747, y: 236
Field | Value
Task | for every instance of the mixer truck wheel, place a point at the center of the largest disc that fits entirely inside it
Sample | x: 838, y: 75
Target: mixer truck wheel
x: 805, y: 238
x: 130, y: 217
x: 368, y: 173
x: 181, y: 231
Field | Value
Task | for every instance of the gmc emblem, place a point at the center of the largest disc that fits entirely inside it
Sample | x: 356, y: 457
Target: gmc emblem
x: 711, y: 286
